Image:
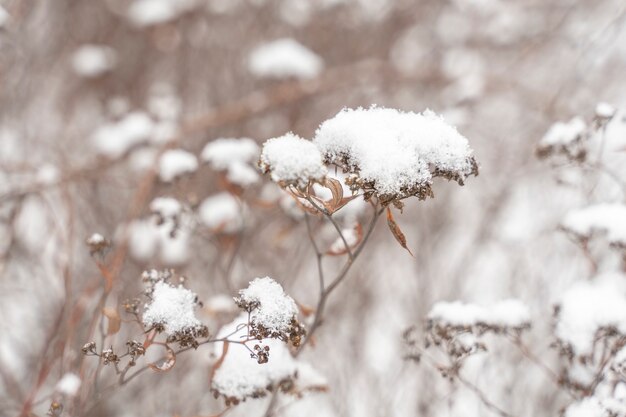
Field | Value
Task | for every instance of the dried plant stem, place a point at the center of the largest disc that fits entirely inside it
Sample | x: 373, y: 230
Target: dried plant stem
x: 490, y: 405
x: 325, y: 291
x: 528, y: 354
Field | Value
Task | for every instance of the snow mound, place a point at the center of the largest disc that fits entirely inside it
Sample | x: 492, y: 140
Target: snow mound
x: 590, y: 306
x: 175, y: 163
x: 284, y: 58
x: 172, y: 308
x: 292, y: 160
x: 607, y: 219
x: 221, y: 213
x: 504, y: 314
x: 272, y: 311
x: 395, y: 154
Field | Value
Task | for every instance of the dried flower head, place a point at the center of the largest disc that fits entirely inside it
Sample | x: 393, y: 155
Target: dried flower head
x: 273, y: 314
x: 253, y: 371
x: 97, y: 244
x: 565, y: 139
x: 393, y: 154
x: 171, y: 310
x: 291, y: 160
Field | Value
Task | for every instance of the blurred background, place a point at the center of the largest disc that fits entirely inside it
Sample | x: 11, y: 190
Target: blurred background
x: 93, y: 94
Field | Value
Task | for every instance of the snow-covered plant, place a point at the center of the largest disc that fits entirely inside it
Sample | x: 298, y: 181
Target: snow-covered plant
x: 392, y: 154
x: 273, y: 314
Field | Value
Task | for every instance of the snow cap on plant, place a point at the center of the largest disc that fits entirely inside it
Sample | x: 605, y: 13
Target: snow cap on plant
x: 393, y: 154
x: 273, y: 313
x: 171, y: 309
x: 291, y: 160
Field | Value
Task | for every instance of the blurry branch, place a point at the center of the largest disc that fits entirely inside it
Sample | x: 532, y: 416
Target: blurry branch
x: 532, y: 357
x: 481, y: 396
x: 257, y: 102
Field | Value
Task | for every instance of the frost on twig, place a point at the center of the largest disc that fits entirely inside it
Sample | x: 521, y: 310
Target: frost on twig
x: 394, y: 154
x: 273, y: 314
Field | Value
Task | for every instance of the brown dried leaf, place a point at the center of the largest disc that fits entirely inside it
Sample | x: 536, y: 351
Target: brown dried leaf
x: 166, y: 363
x: 346, y: 200
x: 219, y: 362
x: 114, y: 320
x: 336, y: 189
x: 395, y: 230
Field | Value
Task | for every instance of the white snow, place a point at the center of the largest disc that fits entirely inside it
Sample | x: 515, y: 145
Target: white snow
x: 4, y: 17
x: 563, y: 133
x: 275, y: 308
x: 396, y: 151
x: 147, y: 239
x: 588, y: 306
x: 175, y: 163
x: 116, y: 138
x: 605, y: 110
x: 221, y: 213
x: 587, y: 407
x: 91, y: 61
x: 95, y: 239
x: 69, y: 384
x: 48, y: 174
x: 242, y: 174
x: 220, y: 303
x: 508, y: 313
x: 166, y: 207
x: 172, y: 307
x: 351, y: 236
x: 284, y: 58
x: 223, y: 152
x: 234, y: 156
x: 153, y: 12
x: 608, y: 219
x: 292, y: 160
x: 240, y: 376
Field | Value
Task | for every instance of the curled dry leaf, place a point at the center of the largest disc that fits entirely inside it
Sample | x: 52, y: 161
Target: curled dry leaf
x: 395, y: 230
x: 167, y: 362
x: 219, y: 362
x: 114, y: 320
x: 336, y: 189
x: 338, y: 200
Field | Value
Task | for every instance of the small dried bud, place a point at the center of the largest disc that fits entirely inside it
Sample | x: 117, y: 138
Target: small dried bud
x: 89, y: 349
x: 97, y: 244
x: 109, y: 356
x: 55, y: 410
